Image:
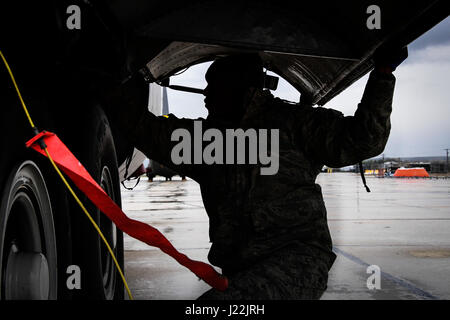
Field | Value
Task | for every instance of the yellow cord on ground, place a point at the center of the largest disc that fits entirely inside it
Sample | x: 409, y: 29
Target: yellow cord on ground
x: 65, y: 181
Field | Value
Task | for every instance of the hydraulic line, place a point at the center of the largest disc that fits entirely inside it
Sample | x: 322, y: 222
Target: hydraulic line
x: 83, y: 208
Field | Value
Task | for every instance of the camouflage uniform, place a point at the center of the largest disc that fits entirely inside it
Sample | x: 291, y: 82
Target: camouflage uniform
x: 269, y: 233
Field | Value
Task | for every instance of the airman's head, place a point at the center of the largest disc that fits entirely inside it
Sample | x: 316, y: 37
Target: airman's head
x: 229, y: 79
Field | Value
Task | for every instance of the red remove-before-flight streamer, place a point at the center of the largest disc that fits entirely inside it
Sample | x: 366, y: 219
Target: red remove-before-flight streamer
x: 70, y: 165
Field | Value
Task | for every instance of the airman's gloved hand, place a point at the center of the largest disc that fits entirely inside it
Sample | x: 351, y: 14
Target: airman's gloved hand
x: 387, y: 59
x: 126, y: 104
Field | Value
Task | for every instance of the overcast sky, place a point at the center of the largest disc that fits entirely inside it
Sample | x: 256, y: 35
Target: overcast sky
x: 421, y: 108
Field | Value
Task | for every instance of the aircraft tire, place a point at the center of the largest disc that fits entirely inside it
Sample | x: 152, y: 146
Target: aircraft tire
x: 96, y: 151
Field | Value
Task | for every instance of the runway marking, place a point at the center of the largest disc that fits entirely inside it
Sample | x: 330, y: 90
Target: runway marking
x: 403, y: 283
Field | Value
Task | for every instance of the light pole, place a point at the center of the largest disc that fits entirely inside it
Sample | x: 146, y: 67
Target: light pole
x: 446, y: 166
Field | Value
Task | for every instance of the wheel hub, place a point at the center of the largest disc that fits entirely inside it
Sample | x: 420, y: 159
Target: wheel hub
x: 27, y: 276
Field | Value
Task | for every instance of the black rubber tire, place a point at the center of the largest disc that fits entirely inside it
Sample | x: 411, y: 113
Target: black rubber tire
x: 27, y: 223
x: 61, y: 215
x: 94, y: 147
x: 17, y: 132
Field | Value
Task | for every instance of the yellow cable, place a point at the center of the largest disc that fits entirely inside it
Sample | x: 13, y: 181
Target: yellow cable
x: 65, y: 181
x: 17, y: 89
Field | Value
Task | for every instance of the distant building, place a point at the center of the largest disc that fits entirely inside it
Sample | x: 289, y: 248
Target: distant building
x: 438, y: 167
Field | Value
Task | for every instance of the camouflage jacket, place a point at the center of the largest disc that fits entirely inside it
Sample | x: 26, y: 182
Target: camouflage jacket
x: 252, y: 215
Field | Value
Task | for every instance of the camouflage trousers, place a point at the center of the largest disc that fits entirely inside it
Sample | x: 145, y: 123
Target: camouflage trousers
x: 286, y: 275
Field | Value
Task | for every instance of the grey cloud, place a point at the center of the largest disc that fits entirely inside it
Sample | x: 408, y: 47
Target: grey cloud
x: 439, y: 34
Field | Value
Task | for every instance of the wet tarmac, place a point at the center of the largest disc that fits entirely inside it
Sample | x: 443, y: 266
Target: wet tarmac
x: 402, y: 226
